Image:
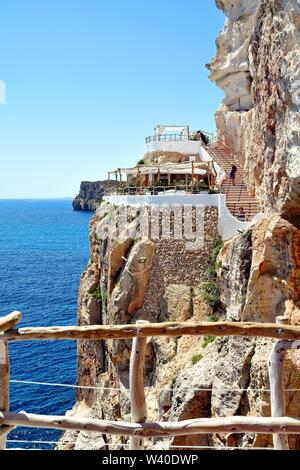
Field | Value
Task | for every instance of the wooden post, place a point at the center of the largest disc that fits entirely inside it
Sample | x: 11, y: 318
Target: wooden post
x: 6, y: 323
x: 276, y: 371
x: 4, y: 386
x: 276, y: 364
x: 121, y: 182
x: 116, y: 182
x: 209, y: 176
x: 136, y: 384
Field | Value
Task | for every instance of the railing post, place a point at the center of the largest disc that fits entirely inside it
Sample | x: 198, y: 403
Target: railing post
x: 276, y: 364
x: 137, y: 389
x: 4, y: 388
x: 6, y: 323
x: 276, y: 370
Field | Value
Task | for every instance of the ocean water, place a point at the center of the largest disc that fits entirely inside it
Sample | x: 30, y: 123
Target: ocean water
x: 44, y: 248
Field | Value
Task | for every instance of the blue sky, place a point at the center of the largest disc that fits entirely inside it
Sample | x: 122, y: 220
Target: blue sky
x: 87, y: 81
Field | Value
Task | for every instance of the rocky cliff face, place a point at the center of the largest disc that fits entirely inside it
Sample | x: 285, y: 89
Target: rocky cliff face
x: 132, y: 277
x: 258, y: 68
x: 90, y: 195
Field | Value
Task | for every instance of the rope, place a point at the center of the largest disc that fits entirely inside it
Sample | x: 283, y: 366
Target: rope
x: 26, y: 382
x: 147, y: 388
x: 12, y: 441
x: 220, y: 448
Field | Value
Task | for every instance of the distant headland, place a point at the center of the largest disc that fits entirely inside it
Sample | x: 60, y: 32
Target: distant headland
x: 90, y: 194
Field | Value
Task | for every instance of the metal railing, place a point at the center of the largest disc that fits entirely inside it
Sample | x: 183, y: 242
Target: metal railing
x: 180, y: 137
x: 161, y: 190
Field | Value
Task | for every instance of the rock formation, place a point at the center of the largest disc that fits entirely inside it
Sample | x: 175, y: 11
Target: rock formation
x: 90, y: 195
x: 258, y: 67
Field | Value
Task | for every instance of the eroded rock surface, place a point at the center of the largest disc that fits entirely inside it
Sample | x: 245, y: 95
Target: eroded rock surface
x: 258, y: 67
x: 90, y: 195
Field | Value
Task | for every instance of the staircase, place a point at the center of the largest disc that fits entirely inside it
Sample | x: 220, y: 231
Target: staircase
x: 236, y: 196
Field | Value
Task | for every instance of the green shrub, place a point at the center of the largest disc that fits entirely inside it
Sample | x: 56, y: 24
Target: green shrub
x: 141, y: 162
x: 213, y: 318
x: 211, y: 294
x: 97, y: 294
x: 196, y: 359
x: 180, y: 187
x: 214, y: 264
x: 208, y: 340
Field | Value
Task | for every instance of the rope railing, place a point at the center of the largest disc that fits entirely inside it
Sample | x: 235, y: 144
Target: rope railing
x: 279, y: 425
x: 126, y: 446
x: 157, y: 389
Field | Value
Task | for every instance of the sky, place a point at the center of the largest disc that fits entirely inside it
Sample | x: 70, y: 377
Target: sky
x: 88, y: 80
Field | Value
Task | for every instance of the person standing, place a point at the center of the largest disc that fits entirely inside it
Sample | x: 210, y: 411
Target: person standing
x: 233, y: 173
x: 242, y: 215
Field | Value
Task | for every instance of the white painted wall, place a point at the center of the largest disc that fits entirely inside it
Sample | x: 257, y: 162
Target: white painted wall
x: 228, y: 225
x: 188, y: 147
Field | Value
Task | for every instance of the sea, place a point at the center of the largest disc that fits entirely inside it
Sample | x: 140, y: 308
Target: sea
x: 44, y: 248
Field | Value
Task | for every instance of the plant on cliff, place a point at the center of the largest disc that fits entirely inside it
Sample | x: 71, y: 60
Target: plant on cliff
x: 141, y: 162
x: 100, y: 296
x: 196, y: 359
x: 97, y: 294
x: 210, y: 289
x: 211, y: 294
x: 213, y: 318
x: 207, y: 340
x: 217, y: 246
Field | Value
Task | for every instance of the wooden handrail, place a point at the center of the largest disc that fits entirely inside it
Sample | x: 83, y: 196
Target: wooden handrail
x: 235, y: 424
x: 280, y: 426
x: 10, y: 320
x: 97, y: 332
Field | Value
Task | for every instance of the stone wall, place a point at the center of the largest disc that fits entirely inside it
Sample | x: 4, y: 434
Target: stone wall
x: 117, y: 288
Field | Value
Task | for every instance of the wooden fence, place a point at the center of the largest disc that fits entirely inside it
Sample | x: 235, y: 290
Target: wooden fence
x: 288, y: 337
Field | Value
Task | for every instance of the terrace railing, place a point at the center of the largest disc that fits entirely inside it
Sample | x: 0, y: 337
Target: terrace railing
x: 279, y: 425
x: 178, y: 137
x: 159, y: 190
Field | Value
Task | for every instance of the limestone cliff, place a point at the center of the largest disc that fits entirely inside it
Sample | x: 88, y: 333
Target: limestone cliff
x: 258, y: 272
x: 258, y: 68
x: 132, y: 277
x: 90, y: 195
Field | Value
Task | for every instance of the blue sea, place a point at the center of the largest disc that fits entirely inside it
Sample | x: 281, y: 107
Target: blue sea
x: 44, y: 247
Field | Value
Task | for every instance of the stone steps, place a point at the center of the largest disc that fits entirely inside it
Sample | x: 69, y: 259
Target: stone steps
x: 236, y: 196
